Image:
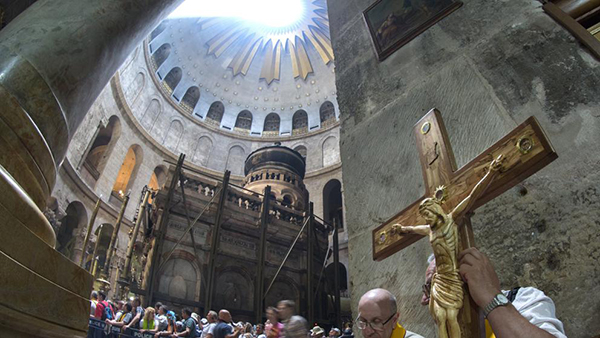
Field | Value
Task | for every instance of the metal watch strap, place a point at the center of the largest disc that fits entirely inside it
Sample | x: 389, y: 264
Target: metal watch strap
x: 492, y: 305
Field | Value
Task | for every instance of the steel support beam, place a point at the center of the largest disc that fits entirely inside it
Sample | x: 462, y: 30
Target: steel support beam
x: 260, y: 271
x: 162, y: 229
x: 310, y: 296
x: 215, y: 242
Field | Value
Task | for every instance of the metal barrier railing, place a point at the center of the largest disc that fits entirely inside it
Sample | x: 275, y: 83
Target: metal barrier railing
x: 99, y: 329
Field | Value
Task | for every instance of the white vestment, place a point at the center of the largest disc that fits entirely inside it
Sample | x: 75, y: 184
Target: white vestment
x: 539, y: 310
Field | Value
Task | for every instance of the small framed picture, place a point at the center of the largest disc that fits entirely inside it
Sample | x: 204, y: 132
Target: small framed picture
x: 393, y: 23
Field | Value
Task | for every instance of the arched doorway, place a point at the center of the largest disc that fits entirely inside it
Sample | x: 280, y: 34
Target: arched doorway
x: 75, y: 218
x: 330, y: 276
x: 234, y: 290
x: 282, y: 290
x: 127, y: 173
x: 180, y: 278
x: 332, y: 203
x: 157, y: 179
x: 103, y: 234
x: 100, y: 150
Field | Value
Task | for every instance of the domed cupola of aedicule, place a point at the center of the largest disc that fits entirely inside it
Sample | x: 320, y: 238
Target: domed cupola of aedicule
x: 281, y: 168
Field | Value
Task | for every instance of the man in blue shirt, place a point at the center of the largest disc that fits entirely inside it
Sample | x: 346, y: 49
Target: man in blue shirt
x: 223, y: 329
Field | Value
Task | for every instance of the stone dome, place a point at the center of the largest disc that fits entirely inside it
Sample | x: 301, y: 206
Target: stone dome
x: 245, y: 78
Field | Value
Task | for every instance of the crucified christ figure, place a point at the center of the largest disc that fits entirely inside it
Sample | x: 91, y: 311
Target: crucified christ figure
x: 447, y: 285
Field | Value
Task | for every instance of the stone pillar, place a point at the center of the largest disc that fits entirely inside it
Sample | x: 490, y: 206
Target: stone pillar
x: 55, y: 58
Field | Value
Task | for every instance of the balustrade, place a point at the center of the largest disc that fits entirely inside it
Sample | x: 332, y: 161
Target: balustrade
x: 274, y: 176
x: 243, y: 200
x: 286, y: 213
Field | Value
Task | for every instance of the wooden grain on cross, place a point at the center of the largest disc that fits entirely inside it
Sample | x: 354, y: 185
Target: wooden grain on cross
x: 526, y: 150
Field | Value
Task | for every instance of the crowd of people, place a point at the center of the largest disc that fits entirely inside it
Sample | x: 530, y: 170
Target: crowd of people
x: 160, y: 321
x: 521, y: 312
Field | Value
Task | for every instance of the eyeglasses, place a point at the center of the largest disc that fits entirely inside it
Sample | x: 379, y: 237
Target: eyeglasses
x: 377, y: 326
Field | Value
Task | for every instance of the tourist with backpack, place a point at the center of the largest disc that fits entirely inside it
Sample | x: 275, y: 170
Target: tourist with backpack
x: 103, y: 310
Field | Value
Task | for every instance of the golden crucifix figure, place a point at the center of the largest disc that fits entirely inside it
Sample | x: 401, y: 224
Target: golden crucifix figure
x: 447, y: 286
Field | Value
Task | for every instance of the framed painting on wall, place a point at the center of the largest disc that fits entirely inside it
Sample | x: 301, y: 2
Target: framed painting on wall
x: 393, y: 23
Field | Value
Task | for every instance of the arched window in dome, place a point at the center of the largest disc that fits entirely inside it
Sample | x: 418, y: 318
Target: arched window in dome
x: 172, y: 79
x: 100, y: 150
x: 243, y: 123
x: 302, y: 150
x: 159, y: 29
x: 327, y: 114
x: 235, y: 160
x: 202, y: 152
x: 300, y: 122
x: 134, y: 89
x: 173, y: 135
x: 190, y: 99
x: 215, y: 113
x: 127, y: 174
x: 271, y: 126
x: 160, y: 55
x: 150, y: 115
x: 331, y: 152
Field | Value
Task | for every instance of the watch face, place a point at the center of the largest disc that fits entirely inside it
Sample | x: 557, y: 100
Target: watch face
x: 502, y: 299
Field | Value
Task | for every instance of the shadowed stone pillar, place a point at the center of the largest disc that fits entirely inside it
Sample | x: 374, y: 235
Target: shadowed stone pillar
x: 55, y: 58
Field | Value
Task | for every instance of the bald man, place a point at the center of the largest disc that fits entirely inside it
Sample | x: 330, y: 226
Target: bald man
x: 378, y: 316
x: 223, y: 329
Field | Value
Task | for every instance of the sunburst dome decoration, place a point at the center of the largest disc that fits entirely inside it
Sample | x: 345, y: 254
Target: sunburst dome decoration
x: 252, y: 41
x: 260, y: 61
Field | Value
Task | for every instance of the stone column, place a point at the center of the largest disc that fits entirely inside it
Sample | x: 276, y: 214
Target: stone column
x: 55, y: 58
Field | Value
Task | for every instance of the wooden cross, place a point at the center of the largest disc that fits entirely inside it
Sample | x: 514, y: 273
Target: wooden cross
x: 526, y: 150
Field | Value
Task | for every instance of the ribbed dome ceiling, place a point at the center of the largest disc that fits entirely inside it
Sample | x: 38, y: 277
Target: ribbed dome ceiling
x: 247, y: 77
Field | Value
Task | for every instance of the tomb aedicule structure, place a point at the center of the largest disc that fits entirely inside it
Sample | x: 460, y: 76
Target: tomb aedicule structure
x: 213, y: 244
x: 281, y: 168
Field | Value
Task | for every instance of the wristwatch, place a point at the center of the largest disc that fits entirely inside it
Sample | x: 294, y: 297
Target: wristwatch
x: 499, y: 300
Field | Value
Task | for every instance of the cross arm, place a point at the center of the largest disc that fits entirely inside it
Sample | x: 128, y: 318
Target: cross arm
x: 526, y: 150
x: 386, y: 242
x: 422, y: 230
x: 467, y: 204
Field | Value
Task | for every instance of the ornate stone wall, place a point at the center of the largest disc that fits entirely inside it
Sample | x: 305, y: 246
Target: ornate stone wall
x: 487, y: 67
